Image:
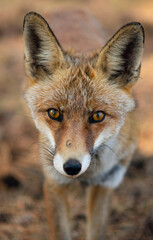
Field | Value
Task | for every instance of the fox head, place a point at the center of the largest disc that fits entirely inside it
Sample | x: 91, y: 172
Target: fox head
x: 79, y: 102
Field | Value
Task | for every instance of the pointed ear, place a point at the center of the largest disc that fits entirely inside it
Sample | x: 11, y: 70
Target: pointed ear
x: 120, y: 59
x: 42, y: 51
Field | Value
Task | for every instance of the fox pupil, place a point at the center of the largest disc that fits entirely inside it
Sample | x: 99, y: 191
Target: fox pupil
x: 98, y: 115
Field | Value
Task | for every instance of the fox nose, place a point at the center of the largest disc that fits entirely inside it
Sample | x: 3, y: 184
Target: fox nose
x: 72, y: 167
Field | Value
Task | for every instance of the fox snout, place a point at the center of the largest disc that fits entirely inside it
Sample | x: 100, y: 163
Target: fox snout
x: 72, y: 166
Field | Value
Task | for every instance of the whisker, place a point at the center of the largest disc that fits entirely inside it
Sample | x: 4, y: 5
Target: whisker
x: 48, y: 156
x: 44, y: 141
x: 49, y: 151
x: 101, y: 147
x: 105, y: 145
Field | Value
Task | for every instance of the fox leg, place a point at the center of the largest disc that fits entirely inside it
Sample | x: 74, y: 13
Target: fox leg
x: 57, y: 211
x: 97, y: 212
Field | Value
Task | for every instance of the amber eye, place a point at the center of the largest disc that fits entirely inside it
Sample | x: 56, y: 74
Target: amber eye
x: 97, y: 117
x: 55, y: 114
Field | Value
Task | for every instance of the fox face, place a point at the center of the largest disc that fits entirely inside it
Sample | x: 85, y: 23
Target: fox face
x: 79, y: 102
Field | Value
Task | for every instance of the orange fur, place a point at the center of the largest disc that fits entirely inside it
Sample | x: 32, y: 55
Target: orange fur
x: 77, y: 86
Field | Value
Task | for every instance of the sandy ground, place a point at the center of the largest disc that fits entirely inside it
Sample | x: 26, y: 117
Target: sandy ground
x: 22, y: 208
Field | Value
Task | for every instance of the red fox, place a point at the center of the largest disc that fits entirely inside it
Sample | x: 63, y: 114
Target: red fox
x: 84, y: 109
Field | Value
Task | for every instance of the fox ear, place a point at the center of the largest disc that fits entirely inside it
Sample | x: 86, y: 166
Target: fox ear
x: 42, y: 51
x: 120, y: 59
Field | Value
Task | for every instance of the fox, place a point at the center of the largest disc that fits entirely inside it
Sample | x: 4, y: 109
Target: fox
x: 83, y: 107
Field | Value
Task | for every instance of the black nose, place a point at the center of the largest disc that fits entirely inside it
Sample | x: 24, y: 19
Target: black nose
x: 72, y: 167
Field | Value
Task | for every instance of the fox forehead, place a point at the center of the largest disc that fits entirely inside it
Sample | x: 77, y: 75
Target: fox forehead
x: 72, y: 90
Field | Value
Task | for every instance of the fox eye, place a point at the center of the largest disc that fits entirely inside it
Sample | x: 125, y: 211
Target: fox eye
x: 96, y: 117
x: 55, y: 114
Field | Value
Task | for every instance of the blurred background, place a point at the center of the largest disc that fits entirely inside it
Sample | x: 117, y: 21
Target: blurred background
x: 22, y: 209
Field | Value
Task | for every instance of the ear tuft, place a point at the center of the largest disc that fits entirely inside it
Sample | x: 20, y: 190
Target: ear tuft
x: 120, y: 59
x: 43, y: 53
